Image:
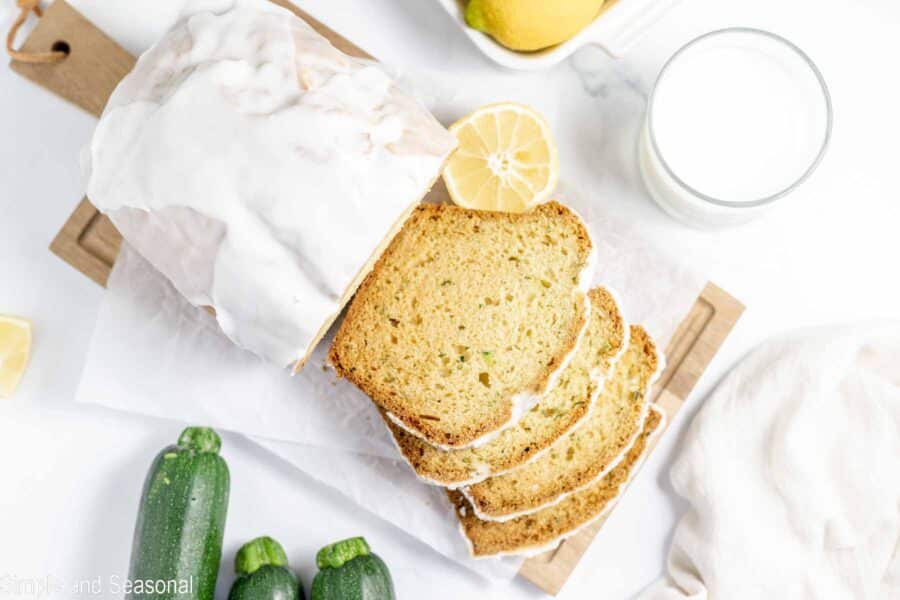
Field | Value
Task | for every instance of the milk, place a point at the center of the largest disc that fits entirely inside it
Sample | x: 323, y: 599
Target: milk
x: 736, y: 119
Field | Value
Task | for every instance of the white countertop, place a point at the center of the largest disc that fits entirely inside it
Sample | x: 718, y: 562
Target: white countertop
x: 72, y: 474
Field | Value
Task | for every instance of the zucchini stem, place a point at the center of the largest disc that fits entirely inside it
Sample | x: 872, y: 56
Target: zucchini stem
x: 336, y: 555
x: 200, y: 439
x: 257, y: 553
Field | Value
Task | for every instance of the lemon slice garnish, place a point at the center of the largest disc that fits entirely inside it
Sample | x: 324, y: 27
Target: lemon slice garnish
x: 15, y: 347
x: 506, y: 159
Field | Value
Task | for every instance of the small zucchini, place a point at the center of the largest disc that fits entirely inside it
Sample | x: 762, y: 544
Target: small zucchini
x: 349, y: 571
x: 263, y: 573
x: 181, y: 520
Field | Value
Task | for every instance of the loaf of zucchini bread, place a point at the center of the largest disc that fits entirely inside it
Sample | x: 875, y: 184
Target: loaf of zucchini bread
x: 261, y: 169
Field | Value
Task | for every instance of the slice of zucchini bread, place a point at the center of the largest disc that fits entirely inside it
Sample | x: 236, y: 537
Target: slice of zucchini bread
x: 585, y: 454
x: 545, y: 529
x: 557, y: 413
x: 467, y: 318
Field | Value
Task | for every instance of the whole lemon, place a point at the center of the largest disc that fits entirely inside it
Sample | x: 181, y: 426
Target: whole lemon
x: 531, y: 24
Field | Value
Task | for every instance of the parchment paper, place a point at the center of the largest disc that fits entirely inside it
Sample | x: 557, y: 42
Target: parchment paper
x: 155, y: 354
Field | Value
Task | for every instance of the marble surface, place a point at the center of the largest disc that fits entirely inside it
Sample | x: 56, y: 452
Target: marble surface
x: 71, y: 474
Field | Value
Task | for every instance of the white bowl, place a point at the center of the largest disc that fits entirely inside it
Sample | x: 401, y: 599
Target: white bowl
x: 619, y: 24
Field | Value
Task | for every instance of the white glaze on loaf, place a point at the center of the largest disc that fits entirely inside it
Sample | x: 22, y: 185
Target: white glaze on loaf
x: 260, y: 169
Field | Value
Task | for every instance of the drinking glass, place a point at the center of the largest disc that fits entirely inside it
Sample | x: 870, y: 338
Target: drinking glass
x: 738, y: 118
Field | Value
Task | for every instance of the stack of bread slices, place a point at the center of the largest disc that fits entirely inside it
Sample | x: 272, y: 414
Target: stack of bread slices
x: 500, y: 375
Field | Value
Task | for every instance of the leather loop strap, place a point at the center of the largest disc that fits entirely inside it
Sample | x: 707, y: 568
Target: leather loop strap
x: 25, y: 8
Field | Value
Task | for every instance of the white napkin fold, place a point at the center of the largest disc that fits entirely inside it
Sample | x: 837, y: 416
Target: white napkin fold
x: 792, y: 471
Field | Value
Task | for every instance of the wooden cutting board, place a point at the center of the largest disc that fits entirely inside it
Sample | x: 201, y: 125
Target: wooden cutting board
x: 89, y: 242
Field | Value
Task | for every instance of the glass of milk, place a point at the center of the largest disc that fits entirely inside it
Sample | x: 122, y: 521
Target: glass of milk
x: 738, y: 119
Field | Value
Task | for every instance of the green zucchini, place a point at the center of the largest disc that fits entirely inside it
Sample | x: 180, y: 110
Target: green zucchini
x: 263, y: 573
x: 349, y: 571
x: 181, y: 520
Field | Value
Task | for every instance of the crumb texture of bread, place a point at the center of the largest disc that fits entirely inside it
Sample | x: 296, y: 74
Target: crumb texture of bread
x: 557, y: 413
x: 545, y: 528
x: 587, y: 452
x: 466, y: 314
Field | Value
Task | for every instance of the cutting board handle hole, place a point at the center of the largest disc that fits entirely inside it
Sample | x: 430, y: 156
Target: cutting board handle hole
x: 61, y: 46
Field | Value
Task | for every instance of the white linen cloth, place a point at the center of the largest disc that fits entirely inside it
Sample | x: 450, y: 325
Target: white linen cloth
x: 792, y: 472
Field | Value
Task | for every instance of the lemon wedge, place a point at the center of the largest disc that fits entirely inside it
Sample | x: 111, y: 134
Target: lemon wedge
x: 15, y: 347
x: 506, y: 159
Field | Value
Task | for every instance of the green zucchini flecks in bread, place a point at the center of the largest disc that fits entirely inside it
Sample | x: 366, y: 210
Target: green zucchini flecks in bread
x: 586, y: 453
x: 561, y: 409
